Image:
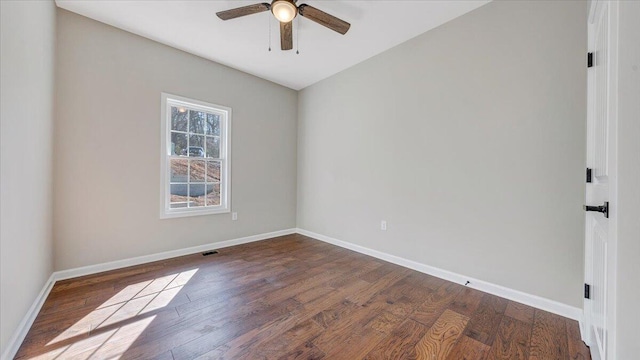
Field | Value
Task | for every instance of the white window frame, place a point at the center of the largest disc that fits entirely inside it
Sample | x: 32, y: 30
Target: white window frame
x: 166, y: 211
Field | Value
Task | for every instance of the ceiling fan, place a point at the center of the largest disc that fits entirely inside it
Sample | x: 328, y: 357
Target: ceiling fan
x: 285, y: 11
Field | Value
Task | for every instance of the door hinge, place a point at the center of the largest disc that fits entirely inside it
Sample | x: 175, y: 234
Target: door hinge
x: 587, y: 291
x: 589, y: 178
x: 589, y: 59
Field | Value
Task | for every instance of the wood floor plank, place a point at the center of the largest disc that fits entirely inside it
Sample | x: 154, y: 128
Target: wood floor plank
x: 356, y: 269
x: 268, y: 339
x: 467, y: 348
x: 400, y: 343
x: 362, y: 337
x: 402, y: 307
x: 512, y: 340
x: 419, y: 280
x: 289, y: 297
x: 385, y: 322
x: 165, y: 356
x: 375, y: 274
x: 337, y: 330
x: 467, y: 301
x: 382, y: 283
x: 484, y: 322
x: 549, y: 337
x: 229, y: 330
x: 306, y: 351
x: 64, y: 304
x: 245, y: 345
x: 577, y: 348
x: 403, y: 289
x: 442, y: 336
x: 338, y: 313
x: 303, y: 285
x: 314, y: 293
x: 435, y: 304
x: 520, y: 312
x: 357, y: 332
x: 296, y: 340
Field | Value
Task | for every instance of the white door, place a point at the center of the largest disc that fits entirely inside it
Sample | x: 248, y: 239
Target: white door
x: 600, y: 234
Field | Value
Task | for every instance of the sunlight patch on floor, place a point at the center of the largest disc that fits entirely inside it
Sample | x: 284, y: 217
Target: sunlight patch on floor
x: 134, y: 300
x: 110, y: 344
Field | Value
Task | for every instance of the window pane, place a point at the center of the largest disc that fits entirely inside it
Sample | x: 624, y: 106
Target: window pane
x: 179, y: 169
x: 178, y: 191
x: 213, y: 147
x: 197, y: 192
x: 213, y: 125
x: 178, y: 144
x: 178, y: 196
x: 213, y: 171
x: 213, y: 197
x: 196, y: 145
x: 179, y: 118
x: 196, y: 171
x: 197, y: 120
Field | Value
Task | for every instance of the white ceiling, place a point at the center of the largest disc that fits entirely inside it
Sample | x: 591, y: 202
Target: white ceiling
x: 243, y: 43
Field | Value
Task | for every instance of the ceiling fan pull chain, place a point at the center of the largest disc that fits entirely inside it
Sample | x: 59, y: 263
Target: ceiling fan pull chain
x: 269, y: 33
x: 298, y: 36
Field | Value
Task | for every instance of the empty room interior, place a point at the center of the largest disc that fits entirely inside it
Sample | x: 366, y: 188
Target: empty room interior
x: 320, y: 179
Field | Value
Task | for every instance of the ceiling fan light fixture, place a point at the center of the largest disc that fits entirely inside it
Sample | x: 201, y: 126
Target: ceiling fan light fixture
x: 284, y: 10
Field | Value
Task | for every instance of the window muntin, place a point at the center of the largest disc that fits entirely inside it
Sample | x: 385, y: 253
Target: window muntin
x: 195, y: 157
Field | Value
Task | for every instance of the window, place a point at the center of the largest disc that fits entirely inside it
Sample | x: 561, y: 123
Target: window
x: 195, y: 157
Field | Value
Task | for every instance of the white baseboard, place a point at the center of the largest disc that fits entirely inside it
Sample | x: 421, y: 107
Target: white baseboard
x: 498, y: 290
x: 118, y: 264
x: 23, y: 328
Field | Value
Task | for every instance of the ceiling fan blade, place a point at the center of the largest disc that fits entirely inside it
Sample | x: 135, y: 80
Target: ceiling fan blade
x: 286, y: 35
x: 243, y: 11
x: 324, y: 19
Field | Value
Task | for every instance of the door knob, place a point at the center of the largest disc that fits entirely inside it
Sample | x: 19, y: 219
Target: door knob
x: 602, y: 209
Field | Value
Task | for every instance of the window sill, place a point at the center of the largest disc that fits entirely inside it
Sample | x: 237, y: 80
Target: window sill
x: 164, y: 214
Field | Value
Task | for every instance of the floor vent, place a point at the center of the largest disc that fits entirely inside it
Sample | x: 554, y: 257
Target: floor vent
x: 212, y: 252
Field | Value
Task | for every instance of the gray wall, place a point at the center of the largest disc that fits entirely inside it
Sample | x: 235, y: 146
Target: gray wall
x: 628, y: 282
x: 107, y: 146
x: 26, y: 111
x: 469, y: 140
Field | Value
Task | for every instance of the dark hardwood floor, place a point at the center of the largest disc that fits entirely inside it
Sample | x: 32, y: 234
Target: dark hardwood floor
x: 288, y: 298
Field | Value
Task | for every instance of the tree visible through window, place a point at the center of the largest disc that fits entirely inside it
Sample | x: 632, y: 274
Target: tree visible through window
x: 195, y: 157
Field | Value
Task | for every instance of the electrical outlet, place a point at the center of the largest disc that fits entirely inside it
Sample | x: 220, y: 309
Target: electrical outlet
x: 383, y: 225
x: 234, y: 216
